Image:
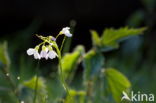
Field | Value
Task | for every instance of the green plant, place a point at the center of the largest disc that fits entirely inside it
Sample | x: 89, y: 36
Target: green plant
x: 96, y: 84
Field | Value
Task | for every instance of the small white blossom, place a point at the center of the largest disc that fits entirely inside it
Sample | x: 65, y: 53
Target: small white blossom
x: 30, y: 51
x: 66, y: 32
x: 52, y: 54
x: 43, y: 53
x: 37, y: 55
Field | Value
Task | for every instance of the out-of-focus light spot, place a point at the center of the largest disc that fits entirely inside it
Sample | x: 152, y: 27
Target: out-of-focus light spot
x: 22, y: 101
x: 18, y: 78
x: 46, y: 97
x: 7, y: 74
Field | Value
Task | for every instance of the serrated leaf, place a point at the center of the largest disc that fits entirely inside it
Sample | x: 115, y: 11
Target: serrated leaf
x: 93, y: 62
x: 4, y: 58
x: 95, y: 38
x: 117, y: 83
x: 70, y: 61
x: 111, y: 37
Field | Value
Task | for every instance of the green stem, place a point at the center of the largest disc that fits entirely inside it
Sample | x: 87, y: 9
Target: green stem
x: 60, y: 65
x: 57, y: 36
x: 42, y: 43
x: 36, y: 83
x: 62, y: 43
x: 60, y: 70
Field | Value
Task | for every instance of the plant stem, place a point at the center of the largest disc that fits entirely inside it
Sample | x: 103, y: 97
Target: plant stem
x: 60, y: 69
x: 57, y: 36
x: 62, y: 43
x: 36, y: 83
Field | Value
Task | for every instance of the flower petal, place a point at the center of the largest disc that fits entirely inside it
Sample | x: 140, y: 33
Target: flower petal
x: 43, y: 54
x: 30, y: 51
x: 52, y: 54
x: 37, y: 55
x: 66, y: 32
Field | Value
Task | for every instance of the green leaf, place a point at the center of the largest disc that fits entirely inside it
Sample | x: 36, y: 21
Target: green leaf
x: 70, y: 61
x: 111, y: 37
x: 93, y: 62
x: 32, y: 83
x: 95, y: 38
x: 4, y: 57
x: 75, y: 97
x: 117, y: 83
x: 54, y: 88
x: 41, y: 88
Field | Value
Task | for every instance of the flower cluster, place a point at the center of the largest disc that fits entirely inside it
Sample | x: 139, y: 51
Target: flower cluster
x: 46, y: 52
x: 48, y: 44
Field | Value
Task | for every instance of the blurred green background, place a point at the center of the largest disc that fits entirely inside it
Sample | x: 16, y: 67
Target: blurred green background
x: 135, y: 58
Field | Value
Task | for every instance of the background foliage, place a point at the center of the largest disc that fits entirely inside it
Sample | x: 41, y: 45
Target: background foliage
x: 94, y: 72
x: 116, y: 59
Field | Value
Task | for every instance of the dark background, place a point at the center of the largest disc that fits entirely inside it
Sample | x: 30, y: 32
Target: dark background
x: 52, y: 15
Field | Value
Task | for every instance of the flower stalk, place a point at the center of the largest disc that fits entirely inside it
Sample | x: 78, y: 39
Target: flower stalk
x: 60, y: 68
x: 48, y: 52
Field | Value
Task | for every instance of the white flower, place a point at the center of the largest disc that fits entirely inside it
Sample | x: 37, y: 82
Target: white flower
x: 32, y: 51
x: 37, y: 55
x: 66, y: 32
x: 43, y: 53
x: 52, y: 54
